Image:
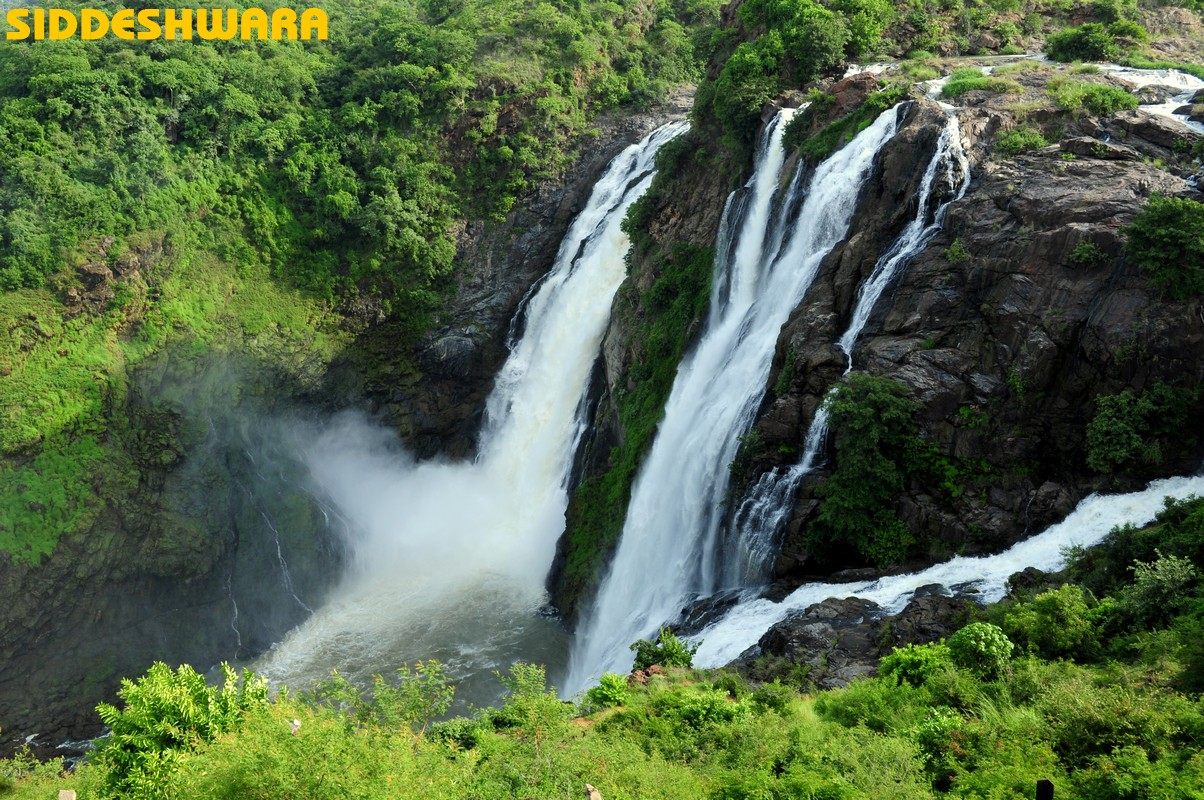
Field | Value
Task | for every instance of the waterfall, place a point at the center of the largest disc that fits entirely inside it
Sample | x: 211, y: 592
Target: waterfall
x: 767, y: 506
x: 669, y: 550
x: 1088, y: 524
x: 449, y: 559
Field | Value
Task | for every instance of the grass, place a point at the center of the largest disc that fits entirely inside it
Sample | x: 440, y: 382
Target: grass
x: 1141, y: 62
x: 1097, y: 98
x: 970, y: 79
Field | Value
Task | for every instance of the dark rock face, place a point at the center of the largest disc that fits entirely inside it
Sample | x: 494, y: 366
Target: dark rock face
x: 841, y: 640
x: 208, y: 549
x: 1007, y: 348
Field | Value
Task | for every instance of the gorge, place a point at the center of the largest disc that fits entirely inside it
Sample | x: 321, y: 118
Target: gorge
x: 849, y: 341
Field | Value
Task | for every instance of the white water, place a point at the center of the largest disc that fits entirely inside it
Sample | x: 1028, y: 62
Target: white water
x: 669, y: 551
x: 767, y: 506
x: 1187, y: 85
x: 1091, y: 520
x: 449, y: 559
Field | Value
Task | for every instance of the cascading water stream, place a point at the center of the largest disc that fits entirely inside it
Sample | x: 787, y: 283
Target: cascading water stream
x: 449, y: 559
x: 766, y: 507
x: 1088, y: 524
x: 669, y: 550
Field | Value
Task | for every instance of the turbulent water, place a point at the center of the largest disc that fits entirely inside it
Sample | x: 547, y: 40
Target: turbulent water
x: 743, y: 625
x: 449, y: 559
x: 671, y: 548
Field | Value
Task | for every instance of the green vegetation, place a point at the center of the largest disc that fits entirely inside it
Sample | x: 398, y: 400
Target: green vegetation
x: 1167, y: 242
x: 165, y: 714
x: 611, y: 691
x: 667, y: 650
x: 982, y: 648
x: 1098, y: 98
x: 873, y: 426
x: 1141, y: 62
x: 794, y: 42
x: 1117, y: 715
x: 956, y: 253
x: 1087, y: 255
x: 971, y: 79
x: 1094, y: 41
x: 243, y: 196
x: 1130, y: 431
x: 1020, y: 140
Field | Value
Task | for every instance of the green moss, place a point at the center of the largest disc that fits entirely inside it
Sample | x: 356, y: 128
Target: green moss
x: 661, y: 320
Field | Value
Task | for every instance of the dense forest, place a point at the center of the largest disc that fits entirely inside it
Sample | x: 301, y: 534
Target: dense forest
x: 305, y: 204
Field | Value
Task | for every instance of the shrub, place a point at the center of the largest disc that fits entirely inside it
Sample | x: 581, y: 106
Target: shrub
x: 1161, y: 590
x: 667, y: 650
x: 1130, y: 30
x: 1130, y: 431
x: 166, y: 712
x: 1114, y: 10
x: 610, y: 691
x: 873, y: 425
x: 1087, y: 255
x: 1166, y: 240
x: 957, y: 253
x: 1100, y: 99
x: 957, y: 86
x: 774, y: 696
x: 1057, y: 624
x: 1020, y: 140
x: 915, y: 663
x: 1090, y: 42
x: 981, y: 648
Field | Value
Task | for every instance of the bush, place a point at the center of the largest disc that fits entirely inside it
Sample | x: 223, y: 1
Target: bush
x: 610, y: 691
x: 1020, y: 140
x: 957, y: 253
x: 667, y: 650
x: 958, y: 86
x: 1161, y: 590
x: 166, y: 712
x: 1087, y: 255
x: 1131, y: 431
x: 1057, y: 624
x: 981, y: 648
x: 1090, y: 42
x: 873, y: 426
x: 1098, y: 98
x: 1166, y: 240
x: 915, y: 663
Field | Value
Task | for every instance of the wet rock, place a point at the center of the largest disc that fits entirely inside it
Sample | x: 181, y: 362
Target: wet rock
x: 702, y: 612
x: 1094, y: 148
x: 1165, y: 133
x: 1155, y: 95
